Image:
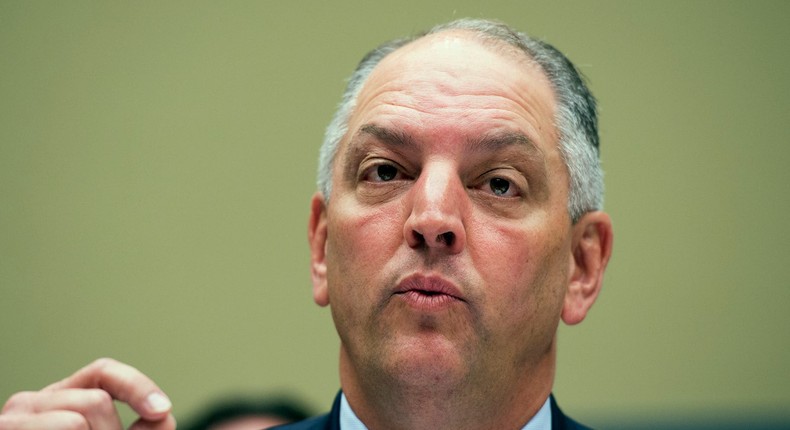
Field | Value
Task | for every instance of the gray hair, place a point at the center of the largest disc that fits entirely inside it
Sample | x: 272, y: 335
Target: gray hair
x: 576, y: 118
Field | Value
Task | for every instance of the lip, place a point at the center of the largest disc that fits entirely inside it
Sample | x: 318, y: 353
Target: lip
x: 428, y: 292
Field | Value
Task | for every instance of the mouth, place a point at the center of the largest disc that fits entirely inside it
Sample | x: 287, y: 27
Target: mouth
x: 428, y: 293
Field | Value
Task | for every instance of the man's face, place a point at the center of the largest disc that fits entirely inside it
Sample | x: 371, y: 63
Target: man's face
x: 446, y: 248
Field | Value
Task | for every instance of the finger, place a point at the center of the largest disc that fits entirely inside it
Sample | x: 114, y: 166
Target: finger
x: 169, y: 423
x: 95, y: 405
x: 54, y: 420
x: 122, y: 382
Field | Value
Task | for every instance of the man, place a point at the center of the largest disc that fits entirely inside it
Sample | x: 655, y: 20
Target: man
x: 458, y: 221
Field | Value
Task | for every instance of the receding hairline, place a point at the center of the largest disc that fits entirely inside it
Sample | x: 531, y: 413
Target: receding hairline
x: 487, y: 41
x: 491, y: 44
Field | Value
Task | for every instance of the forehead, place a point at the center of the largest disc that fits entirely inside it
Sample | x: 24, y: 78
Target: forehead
x: 454, y: 81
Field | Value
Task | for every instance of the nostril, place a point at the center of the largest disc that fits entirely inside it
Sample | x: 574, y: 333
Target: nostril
x: 447, y: 238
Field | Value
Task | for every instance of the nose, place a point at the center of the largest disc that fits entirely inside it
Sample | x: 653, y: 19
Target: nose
x: 436, y: 220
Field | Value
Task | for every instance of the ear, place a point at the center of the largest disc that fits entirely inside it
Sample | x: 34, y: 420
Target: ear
x: 316, y: 235
x: 591, y: 249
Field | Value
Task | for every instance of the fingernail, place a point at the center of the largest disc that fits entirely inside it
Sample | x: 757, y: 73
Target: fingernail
x: 157, y: 402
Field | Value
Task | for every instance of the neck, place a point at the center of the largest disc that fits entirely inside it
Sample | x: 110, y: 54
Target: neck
x: 390, y: 401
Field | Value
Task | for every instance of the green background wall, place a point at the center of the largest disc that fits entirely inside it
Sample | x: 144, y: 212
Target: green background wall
x: 157, y: 159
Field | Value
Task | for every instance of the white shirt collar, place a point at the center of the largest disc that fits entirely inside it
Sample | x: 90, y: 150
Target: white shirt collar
x: 350, y: 421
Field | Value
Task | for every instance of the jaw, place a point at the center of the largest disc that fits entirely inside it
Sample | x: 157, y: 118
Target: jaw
x: 431, y: 386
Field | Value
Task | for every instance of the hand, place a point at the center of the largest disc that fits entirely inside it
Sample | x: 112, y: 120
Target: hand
x: 84, y: 400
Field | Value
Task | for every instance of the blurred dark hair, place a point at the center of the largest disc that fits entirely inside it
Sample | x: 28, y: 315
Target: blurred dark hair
x: 227, y: 409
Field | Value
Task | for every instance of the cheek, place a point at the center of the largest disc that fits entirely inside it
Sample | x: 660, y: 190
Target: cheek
x: 360, y: 241
x: 504, y: 261
x: 524, y: 268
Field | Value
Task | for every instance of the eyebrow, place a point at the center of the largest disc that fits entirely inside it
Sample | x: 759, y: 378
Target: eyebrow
x: 488, y: 143
x: 357, y: 149
x: 491, y: 143
x: 498, y: 141
x: 388, y: 136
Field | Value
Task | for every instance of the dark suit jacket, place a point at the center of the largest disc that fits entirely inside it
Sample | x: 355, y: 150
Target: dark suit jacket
x: 331, y: 421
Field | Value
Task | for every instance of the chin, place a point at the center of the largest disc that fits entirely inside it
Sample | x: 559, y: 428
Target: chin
x: 425, y: 361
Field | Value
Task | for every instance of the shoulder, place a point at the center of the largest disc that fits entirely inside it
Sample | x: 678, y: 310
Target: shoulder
x: 330, y: 421
x: 560, y: 421
x: 570, y: 424
x: 315, y: 423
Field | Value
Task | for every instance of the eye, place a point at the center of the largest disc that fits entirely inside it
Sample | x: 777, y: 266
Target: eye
x: 382, y: 172
x: 503, y: 184
x: 386, y: 172
x: 499, y: 186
